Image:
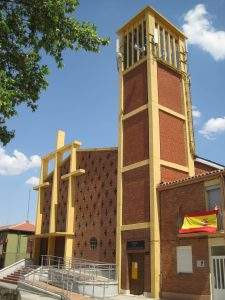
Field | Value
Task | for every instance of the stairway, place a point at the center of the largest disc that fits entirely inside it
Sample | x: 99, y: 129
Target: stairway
x: 17, y: 275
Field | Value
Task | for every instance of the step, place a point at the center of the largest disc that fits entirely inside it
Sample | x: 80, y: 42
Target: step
x: 9, y: 281
x: 13, y: 277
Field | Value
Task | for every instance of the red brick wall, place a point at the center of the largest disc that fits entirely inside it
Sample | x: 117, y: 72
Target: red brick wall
x: 135, y: 235
x: 169, y: 89
x: 135, y: 88
x: 169, y: 174
x: 61, y: 211
x: 202, y: 168
x: 172, y: 139
x: 135, y: 138
x: 136, y: 196
x: 95, y: 205
x: 46, y: 205
x: 174, y: 203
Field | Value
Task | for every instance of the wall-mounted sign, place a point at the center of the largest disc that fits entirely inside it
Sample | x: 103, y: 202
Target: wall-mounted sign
x: 134, y: 269
x: 136, y: 245
x: 200, y: 263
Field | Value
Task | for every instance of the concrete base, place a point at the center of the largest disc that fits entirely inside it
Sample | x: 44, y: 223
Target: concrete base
x: 179, y: 296
x: 124, y: 292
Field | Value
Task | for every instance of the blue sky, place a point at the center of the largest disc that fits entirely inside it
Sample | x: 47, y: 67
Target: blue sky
x: 82, y: 99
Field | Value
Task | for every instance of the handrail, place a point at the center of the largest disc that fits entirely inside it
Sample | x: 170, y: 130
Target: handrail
x: 63, y: 277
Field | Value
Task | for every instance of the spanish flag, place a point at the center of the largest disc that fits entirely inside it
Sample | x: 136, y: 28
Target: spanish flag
x: 204, y: 221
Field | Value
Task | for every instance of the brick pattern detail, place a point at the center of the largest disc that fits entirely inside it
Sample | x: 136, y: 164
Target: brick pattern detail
x: 169, y: 89
x: 135, y: 88
x: 136, y: 196
x: 172, y: 139
x: 169, y: 174
x: 46, y: 205
x: 95, y: 205
x: 135, y: 138
x: 174, y: 204
x: 135, y: 235
x: 61, y: 214
x: 202, y: 168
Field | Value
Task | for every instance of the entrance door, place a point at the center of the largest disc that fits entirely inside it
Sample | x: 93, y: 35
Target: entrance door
x: 59, y: 246
x: 136, y: 273
x: 43, y: 249
x: 218, y: 276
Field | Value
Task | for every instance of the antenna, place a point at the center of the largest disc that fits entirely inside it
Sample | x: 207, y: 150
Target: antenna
x: 156, y: 36
x: 119, y: 55
x: 140, y: 49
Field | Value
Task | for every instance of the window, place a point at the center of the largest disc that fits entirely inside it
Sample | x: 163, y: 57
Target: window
x: 93, y: 243
x: 184, y: 259
x: 214, y: 197
x: 214, y: 201
x: 134, y: 45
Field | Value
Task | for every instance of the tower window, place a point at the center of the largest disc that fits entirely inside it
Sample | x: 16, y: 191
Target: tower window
x: 93, y: 243
x: 134, y: 45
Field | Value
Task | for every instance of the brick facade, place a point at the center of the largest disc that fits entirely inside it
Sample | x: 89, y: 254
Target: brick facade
x: 46, y: 206
x: 169, y: 89
x: 169, y: 174
x: 174, y: 204
x: 172, y: 139
x: 135, y: 88
x: 136, y: 196
x: 95, y: 203
x: 202, y: 168
x: 135, y: 138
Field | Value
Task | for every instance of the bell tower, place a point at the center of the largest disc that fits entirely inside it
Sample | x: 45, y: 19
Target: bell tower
x: 156, y: 141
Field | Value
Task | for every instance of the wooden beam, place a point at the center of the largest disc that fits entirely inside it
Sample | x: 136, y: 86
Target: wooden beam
x: 74, y: 173
x: 43, y: 185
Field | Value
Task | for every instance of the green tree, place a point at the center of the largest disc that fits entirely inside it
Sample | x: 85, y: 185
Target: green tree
x: 28, y: 29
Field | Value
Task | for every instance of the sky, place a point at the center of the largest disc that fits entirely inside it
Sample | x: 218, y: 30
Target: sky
x: 82, y: 99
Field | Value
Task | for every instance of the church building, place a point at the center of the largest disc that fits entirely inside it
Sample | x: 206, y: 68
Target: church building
x: 129, y: 205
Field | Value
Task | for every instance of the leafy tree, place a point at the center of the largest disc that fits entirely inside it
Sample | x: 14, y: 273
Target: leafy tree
x: 28, y: 29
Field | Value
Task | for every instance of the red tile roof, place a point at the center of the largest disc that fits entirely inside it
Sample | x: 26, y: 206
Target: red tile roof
x: 25, y: 227
x: 191, y: 178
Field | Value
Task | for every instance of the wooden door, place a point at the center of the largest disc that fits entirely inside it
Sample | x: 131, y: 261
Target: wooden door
x: 136, y: 273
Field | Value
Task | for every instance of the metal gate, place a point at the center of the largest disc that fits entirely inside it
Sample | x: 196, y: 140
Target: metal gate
x: 218, y: 277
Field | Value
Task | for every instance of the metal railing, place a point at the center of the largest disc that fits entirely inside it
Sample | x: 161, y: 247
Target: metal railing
x: 93, y: 270
x: 67, y: 276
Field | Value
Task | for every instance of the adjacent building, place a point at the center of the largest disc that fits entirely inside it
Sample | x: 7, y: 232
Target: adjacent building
x: 126, y: 205
x: 15, y: 243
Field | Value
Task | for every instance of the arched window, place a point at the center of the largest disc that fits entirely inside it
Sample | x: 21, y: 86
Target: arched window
x: 93, y: 243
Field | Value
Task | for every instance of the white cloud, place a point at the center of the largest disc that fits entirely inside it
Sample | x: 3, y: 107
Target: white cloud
x: 213, y: 127
x: 200, y: 31
x: 33, y: 181
x: 196, y: 113
x: 17, y: 163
